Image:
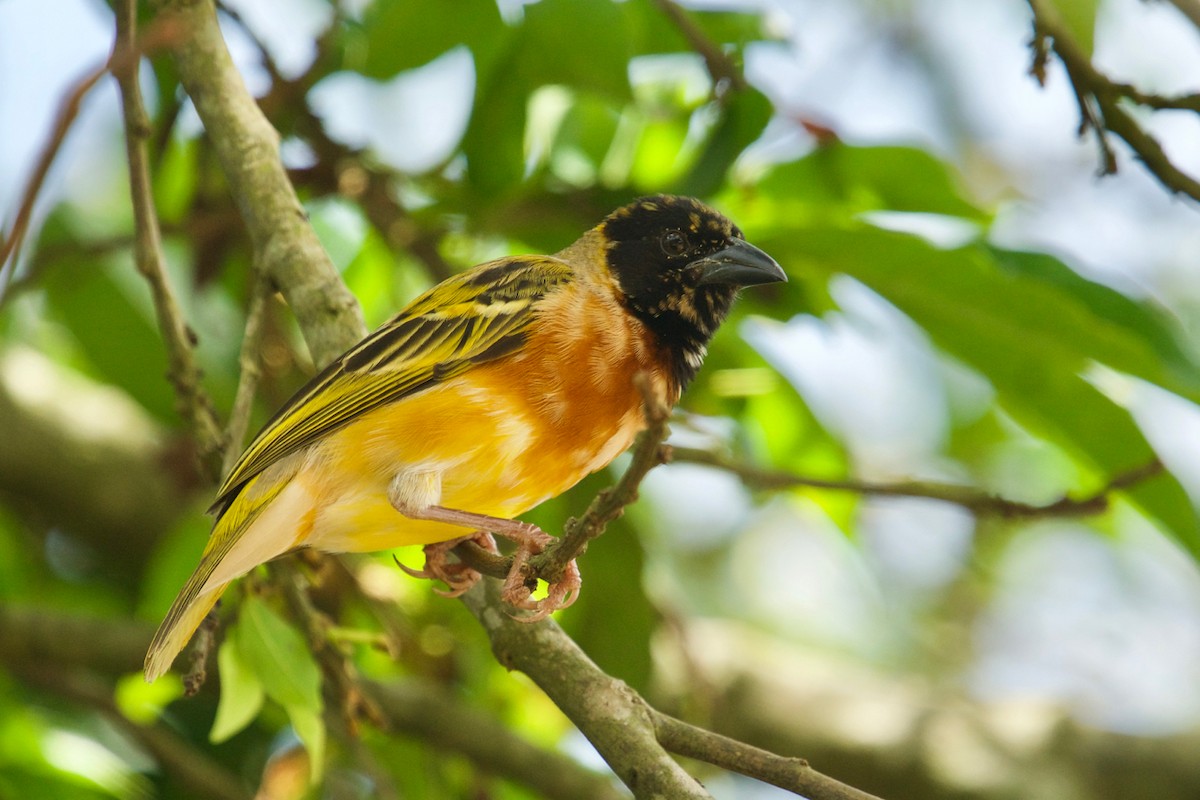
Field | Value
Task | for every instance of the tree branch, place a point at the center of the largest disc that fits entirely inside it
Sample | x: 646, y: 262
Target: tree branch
x: 437, y: 717
x: 721, y: 68
x: 1099, y: 100
x: 609, y: 713
x: 974, y: 500
x: 193, y: 403
x: 793, y: 774
x: 285, y: 246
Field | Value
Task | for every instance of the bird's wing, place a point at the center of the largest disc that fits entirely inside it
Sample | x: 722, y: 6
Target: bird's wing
x: 478, y: 316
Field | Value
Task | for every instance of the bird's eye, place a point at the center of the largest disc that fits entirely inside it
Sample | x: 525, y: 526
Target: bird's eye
x: 674, y: 243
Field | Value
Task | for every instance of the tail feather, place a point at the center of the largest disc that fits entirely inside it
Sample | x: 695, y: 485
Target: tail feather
x: 238, y: 544
x: 176, y: 631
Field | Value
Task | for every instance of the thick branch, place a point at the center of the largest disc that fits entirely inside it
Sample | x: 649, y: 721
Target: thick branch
x: 610, y: 714
x: 437, y: 717
x: 285, y: 246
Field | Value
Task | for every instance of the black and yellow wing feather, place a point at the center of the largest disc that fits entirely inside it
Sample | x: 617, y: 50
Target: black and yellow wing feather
x: 475, y: 317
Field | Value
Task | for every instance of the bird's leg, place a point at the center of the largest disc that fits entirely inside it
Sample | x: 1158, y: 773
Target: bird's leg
x: 457, y: 575
x: 530, y: 540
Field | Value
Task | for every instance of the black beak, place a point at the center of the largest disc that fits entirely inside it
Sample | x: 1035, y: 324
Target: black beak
x: 739, y: 264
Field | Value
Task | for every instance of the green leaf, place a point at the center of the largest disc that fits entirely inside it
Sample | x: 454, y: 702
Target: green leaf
x: 1144, y: 320
x: 310, y: 728
x: 400, y: 35
x: 742, y: 121
x: 114, y: 330
x: 1079, y: 18
x: 579, y: 43
x: 278, y: 655
x: 284, y: 666
x: 1032, y: 339
x: 653, y: 32
x: 494, y: 143
x: 853, y: 180
x: 175, y: 180
x: 143, y: 702
x: 241, y: 693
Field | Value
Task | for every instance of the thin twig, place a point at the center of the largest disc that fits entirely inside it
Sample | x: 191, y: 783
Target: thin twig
x: 974, y: 500
x: 609, y: 503
x: 249, y: 372
x: 1099, y: 100
x: 792, y: 774
x: 193, y: 403
x: 721, y: 68
x: 203, y: 642
x: 68, y: 111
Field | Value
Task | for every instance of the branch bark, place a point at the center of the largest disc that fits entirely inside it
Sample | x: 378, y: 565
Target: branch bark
x: 285, y: 246
x: 611, y: 715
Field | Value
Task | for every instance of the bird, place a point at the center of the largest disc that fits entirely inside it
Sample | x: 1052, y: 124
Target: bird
x: 497, y: 389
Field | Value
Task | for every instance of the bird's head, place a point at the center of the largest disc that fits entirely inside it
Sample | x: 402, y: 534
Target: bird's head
x: 679, y: 264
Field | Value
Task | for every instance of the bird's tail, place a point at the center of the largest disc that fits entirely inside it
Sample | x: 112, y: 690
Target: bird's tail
x: 186, y: 614
x: 232, y: 550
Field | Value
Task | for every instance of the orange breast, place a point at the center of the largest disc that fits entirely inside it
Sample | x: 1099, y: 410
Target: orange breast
x: 503, y: 436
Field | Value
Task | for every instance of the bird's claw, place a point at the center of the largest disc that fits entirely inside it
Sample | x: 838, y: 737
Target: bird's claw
x: 519, y: 584
x: 456, y: 575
